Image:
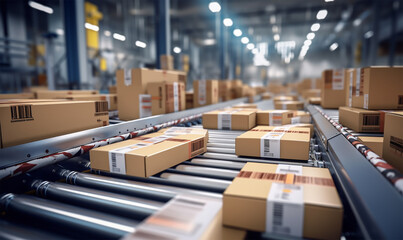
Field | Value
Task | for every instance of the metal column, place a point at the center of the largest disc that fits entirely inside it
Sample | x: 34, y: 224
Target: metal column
x: 373, y: 50
x: 392, y: 41
x: 221, y: 42
x: 76, y: 52
x: 162, y: 29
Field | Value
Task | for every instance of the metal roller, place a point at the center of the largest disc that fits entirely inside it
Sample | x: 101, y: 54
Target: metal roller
x: 218, y: 163
x: 116, y: 204
x: 208, y: 182
x: 219, y: 140
x: 14, y: 231
x: 70, y: 220
x: 208, y: 171
x: 222, y: 136
x: 221, y: 145
x: 221, y: 150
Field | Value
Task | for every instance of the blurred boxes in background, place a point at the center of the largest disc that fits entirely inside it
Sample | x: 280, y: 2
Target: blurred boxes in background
x: 17, y: 96
x: 166, y: 97
x: 308, y: 93
x: 189, y: 100
x: 167, y: 62
x: 47, y: 94
x: 393, y: 140
x: 333, y: 94
x: 224, y: 90
x: 266, y: 96
x: 289, y: 105
x: 205, y: 92
x: 113, y: 89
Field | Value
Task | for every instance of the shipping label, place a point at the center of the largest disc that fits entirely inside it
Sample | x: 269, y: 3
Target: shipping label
x: 270, y: 142
x: 144, y: 105
x: 202, y: 92
x: 127, y: 76
x: 338, y: 79
x: 176, y: 97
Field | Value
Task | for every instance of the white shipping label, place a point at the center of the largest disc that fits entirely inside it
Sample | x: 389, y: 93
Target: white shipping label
x: 275, y: 118
x: 202, y: 92
x: 338, y: 79
x: 295, y: 120
x: 127, y: 77
x: 284, y: 169
x: 117, y: 162
x: 366, y: 101
x: 350, y: 89
x: 270, y: 142
x: 285, y: 209
x: 224, y: 120
x: 357, y: 82
x: 176, y: 97
x: 174, y: 131
x: 145, y: 105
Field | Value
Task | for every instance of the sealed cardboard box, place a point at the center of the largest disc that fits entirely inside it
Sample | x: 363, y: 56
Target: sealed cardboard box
x: 301, y: 117
x: 288, y: 200
x: 189, y: 100
x: 308, y: 93
x: 17, y: 96
x: 25, y: 121
x: 245, y: 105
x: 166, y: 97
x: 113, y: 89
x: 332, y: 93
x: 374, y: 143
x: 302, y: 125
x: 361, y: 120
x: 234, y: 85
x: 205, y: 92
x: 224, y: 91
x: 284, y: 98
x: 393, y: 140
x: 380, y: 88
x: 150, y: 154
x: 274, y: 142
x: 110, y: 98
x: 315, y: 100
x: 230, y: 119
x: 241, y: 91
x: 274, y: 117
x: 289, y: 105
x: 44, y: 94
x: 167, y: 62
x: 266, y: 96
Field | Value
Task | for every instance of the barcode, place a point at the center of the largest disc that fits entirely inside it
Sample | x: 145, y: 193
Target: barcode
x: 282, y: 178
x: 396, y: 143
x: 101, y: 108
x: 266, y: 151
x: 21, y: 113
x: 400, y: 99
x: 278, y: 210
x: 114, y: 164
x: 371, y: 120
x: 197, y: 147
x: 226, y: 124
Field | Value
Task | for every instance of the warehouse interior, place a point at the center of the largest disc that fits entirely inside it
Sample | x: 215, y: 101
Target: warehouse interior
x: 202, y: 119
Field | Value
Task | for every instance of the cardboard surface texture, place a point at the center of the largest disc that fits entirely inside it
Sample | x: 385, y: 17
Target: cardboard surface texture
x: 374, y: 143
x: 289, y: 105
x: 166, y: 97
x: 205, y: 92
x: 361, y: 120
x: 274, y: 117
x: 224, y: 91
x: 332, y: 92
x: 47, y: 94
x: 393, y: 140
x: 230, y: 119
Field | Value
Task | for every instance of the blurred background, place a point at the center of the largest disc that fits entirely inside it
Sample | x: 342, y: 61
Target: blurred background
x: 80, y: 44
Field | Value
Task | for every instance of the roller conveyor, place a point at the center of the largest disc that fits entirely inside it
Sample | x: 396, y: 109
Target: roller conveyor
x: 218, y: 184
x: 208, y: 171
x: 13, y: 231
x: 218, y: 163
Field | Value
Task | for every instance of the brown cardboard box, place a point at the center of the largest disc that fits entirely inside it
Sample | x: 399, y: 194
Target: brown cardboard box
x: 224, y: 90
x: 302, y: 125
x: 374, y: 143
x: 361, y: 120
x: 260, y: 191
x: 234, y: 85
x: 189, y: 100
x: 241, y: 91
x: 393, y: 140
x: 276, y: 88
x: 113, y: 89
x: 260, y: 89
x: 17, y: 96
x: 380, y: 88
x: 333, y: 94
x: 274, y: 117
x: 301, y: 117
x: 132, y: 88
x: 354, y: 98
x: 150, y: 154
x: 25, y: 121
x: 315, y: 100
x: 167, y: 62
x: 205, y: 92
x: 166, y: 97
x: 289, y: 105
x: 286, y: 143
x: 110, y: 98
x: 308, y: 93
x: 230, y: 119
x: 284, y: 98
x: 266, y: 96
x: 246, y: 105
x: 63, y: 93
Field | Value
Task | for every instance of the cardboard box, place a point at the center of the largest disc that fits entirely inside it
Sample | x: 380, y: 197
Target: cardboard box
x: 374, y: 143
x: 315, y: 100
x: 167, y: 62
x: 308, y: 93
x: 205, y: 92
x: 301, y: 117
x: 260, y: 89
x: 17, y: 96
x: 289, y: 105
x: 166, y: 97
x: 110, y: 98
x: 230, y: 119
x: 379, y: 88
x: 274, y: 142
x: 189, y: 100
x: 361, y: 120
x: 332, y: 93
x: 246, y: 105
x: 302, y: 125
x: 292, y: 201
x: 284, y: 98
x: 25, y: 121
x: 393, y: 140
x: 224, y: 91
x: 63, y: 93
x: 241, y: 91
x: 113, y: 89
x: 266, y: 96
x: 234, y: 85
x: 147, y: 155
x: 274, y: 117
x: 276, y: 88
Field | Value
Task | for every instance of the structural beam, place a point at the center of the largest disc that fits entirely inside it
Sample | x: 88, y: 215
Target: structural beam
x: 162, y: 29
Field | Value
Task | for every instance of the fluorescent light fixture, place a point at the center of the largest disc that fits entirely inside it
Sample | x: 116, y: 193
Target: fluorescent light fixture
x: 329, y: 0
x: 60, y: 31
x: 237, y: 32
x: 272, y: 19
x: 357, y: 22
x: 315, y: 27
x: 244, y: 40
x: 333, y: 47
x: 91, y: 27
x: 119, y: 37
x: 177, y: 50
x: 305, y: 48
x: 307, y: 42
x: 369, y: 34
x: 40, y: 7
x: 107, y: 33
x: 287, y: 60
x: 274, y: 29
x: 227, y: 22
x: 250, y: 46
x: 276, y: 37
x: 310, y: 36
x: 321, y: 14
x: 255, y: 51
x: 214, y: 7
x: 140, y: 44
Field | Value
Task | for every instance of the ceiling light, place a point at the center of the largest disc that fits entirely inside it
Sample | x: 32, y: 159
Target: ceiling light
x: 321, y: 14
x: 310, y: 36
x: 227, y: 22
x: 119, y: 37
x: 369, y: 34
x: 255, y: 51
x: 274, y: 29
x: 40, y: 7
x: 307, y: 42
x: 107, y: 33
x: 272, y: 19
x: 140, y: 44
x: 315, y: 27
x: 276, y: 37
x: 329, y: 0
x: 60, y: 31
x: 214, y: 7
x: 91, y: 27
x: 244, y: 40
x: 333, y: 47
x: 250, y: 46
x: 177, y: 50
x: 237, y: 32
x: 357, y: 22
